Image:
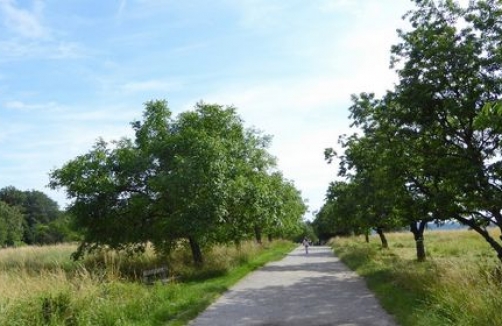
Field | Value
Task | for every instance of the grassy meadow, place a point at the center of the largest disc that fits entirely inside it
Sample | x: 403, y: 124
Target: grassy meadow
x: 43, y: 286
x: 460, y: 283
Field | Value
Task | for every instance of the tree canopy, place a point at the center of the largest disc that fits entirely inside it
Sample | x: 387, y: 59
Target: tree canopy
x: 200, y: 177
x: 32, y: 218
x: 11, y: 225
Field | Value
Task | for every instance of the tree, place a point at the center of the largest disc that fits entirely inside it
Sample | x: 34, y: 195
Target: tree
x: 36, y: 207
x: 286, y: 208
x: 115, y: 188
x: 449, y: 67
x: 339, y: 216
x: 11, y: 225
x: 379, y: 163
x: 197, y: 178
x: 203, y: 156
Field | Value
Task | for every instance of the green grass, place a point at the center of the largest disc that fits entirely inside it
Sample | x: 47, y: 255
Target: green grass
x: 457, y: 285
x: 103, y: 290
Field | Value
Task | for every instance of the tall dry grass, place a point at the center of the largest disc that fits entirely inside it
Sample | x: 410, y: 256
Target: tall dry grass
x: 459, y: 284
x: 43, y: 286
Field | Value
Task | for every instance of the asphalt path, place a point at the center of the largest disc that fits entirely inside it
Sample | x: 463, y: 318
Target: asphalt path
x: 309, y: 290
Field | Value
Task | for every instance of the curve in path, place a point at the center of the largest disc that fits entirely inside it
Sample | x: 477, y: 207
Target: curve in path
x: 308, y: 290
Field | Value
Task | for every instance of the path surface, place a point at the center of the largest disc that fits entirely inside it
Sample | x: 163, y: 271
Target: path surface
x: 307, y: 290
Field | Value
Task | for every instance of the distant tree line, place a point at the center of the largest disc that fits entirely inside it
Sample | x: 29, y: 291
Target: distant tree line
x: 197, y: 179
x: 31, y: 217
x: 430, y: 149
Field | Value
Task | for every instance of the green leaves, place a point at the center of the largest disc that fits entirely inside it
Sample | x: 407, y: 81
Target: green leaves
x: 200, y: 176
x: 11, y: 225
x: 490, y: 118
x: 36, y: 209
x: 430, y: 148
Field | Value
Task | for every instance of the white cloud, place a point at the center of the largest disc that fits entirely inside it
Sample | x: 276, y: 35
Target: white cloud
x: 16, y: 49
x: 30, y: 37
x: 288, y: 66
x: 24, y: 22
x: 19, y: 105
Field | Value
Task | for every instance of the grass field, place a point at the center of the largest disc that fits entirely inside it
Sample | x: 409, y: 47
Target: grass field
x: 460, y: 283
x: 42, y: 286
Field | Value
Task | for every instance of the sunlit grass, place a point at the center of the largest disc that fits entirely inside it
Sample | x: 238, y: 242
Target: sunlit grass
x: 42, y: 286
x: 459, y: 284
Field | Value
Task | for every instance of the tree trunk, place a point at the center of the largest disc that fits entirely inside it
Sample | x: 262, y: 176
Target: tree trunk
x: 270, y: 238
x: 418, y: 234
x: 196, y: 252
x: 367, y: 236
x: 257, y: 234
x: 383, y: 239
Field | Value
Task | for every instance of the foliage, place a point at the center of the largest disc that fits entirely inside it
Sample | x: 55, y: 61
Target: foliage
x: 306, y: 231
x: 11, y: 225
x: 42, y: 222
x: 200, y: 177
x: 339, y: 215
x: 450, y: 71
x: 430, y: 148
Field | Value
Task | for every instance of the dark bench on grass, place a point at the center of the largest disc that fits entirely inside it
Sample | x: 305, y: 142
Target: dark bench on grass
x: 151, y: 276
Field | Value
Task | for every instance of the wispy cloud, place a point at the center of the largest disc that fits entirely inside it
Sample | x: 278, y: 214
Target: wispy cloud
x: 288, y: 66
x: 29, y: 37
x: 25, y: 22
x: 22, y: 106
x: 17, y: 49
x: 121, y: 9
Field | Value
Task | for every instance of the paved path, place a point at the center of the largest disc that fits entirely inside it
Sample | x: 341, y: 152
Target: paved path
x: 307, y: 290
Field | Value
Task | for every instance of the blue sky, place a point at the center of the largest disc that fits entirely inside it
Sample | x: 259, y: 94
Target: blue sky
x: 73, y: 71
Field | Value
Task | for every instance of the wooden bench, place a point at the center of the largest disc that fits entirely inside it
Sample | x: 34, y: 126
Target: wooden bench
x: 151, y: 276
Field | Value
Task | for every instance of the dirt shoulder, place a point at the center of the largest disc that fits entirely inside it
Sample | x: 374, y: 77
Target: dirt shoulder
x: 314, y: 289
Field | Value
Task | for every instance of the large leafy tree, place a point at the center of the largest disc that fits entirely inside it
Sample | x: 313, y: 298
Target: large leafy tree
x: 205, y: 155
x: 449, y: 67
x: 193, y: 178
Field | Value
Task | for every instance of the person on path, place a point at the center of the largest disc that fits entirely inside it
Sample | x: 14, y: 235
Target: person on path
x: 306, y: 244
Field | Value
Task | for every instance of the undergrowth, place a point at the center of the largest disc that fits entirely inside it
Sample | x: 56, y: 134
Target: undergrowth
x: 42, y: 286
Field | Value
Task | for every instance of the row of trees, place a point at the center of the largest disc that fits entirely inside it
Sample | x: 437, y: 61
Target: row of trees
x: 31, y: 217
x: 200, y: 178
x: 430, y: 149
